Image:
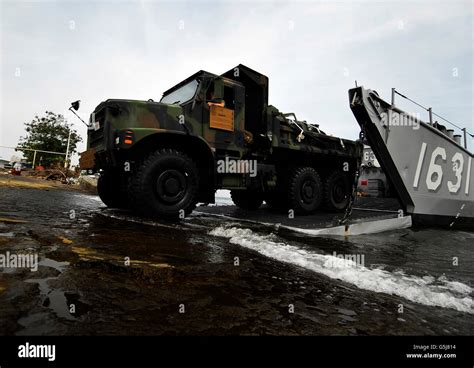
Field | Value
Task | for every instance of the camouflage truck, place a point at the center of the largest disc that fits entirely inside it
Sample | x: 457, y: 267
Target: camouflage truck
x: 214, y: 132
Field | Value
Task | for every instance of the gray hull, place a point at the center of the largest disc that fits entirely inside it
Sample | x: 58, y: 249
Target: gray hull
x: 430, y: 172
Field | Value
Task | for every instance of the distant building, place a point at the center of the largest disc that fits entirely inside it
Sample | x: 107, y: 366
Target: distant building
x: 3, y: 162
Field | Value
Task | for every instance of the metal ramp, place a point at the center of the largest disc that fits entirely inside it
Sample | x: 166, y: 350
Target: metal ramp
x: 369, y: 216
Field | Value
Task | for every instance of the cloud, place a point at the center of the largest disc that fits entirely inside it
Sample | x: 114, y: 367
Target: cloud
x: 311, y: 51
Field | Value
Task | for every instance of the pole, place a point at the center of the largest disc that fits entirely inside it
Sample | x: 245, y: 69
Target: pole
x: 431, y: 115
x: 465, y: 137
x: 34, y: 160
x: 71, y: 109
x: 393, y: 97
x: 67, y: 149
x: 32, y: 149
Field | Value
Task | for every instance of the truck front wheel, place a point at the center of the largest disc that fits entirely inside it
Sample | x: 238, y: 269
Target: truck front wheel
x: 304, y: 191
x: 246, y: 199
x: 165, y: 185
x: 337, y: 191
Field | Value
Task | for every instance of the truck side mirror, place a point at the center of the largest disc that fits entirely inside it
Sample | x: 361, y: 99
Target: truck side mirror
x: 75, y: 105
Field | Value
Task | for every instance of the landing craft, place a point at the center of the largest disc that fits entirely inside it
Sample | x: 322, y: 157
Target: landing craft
x: 429, y: 169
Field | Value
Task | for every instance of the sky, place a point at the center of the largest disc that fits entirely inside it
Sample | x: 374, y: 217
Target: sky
x: 56, y: 52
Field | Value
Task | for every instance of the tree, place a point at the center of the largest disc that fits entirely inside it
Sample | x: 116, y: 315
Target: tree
x: 49, y: 133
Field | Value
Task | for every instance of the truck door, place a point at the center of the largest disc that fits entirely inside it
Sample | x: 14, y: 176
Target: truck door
x: 223, y: 126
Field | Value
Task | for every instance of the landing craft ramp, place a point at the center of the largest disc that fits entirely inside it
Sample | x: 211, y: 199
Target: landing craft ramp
x: 430, y: 170
x: 369, y: 215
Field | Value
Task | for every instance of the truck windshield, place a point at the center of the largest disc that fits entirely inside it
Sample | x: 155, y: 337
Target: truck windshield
x: 182, y: 94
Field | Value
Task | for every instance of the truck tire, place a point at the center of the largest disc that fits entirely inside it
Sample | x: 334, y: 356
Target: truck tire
x: 304, y: 191
x: 246, y: 199
x: 165, y: 185
x: 111, y: 190
x: 337, y: 191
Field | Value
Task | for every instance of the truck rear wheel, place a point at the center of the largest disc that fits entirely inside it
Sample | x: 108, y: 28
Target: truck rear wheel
x: 337, y: 191
x: 246, y: 199
x: 111, y: 189
x: 165, y: 185
x: 304, y: 191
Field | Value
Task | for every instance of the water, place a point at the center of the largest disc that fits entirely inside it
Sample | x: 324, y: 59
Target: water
x: 424, y: 283
x: 427, y: 266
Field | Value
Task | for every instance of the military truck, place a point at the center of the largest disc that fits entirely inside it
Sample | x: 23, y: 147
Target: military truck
x: 212, y: 132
